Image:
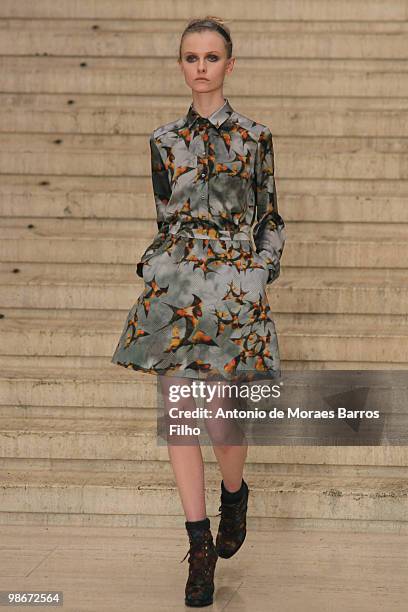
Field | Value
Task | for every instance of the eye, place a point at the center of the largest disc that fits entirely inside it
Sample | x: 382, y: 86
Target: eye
x: 211, y: 57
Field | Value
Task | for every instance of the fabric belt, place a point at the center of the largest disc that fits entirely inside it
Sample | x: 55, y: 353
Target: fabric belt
x: 212, y: 233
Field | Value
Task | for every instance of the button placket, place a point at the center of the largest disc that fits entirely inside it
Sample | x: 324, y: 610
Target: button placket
x: 204, y: 169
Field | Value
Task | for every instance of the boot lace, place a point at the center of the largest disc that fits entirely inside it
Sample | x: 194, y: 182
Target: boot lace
x: 197, y: 546
x: 230, y: 515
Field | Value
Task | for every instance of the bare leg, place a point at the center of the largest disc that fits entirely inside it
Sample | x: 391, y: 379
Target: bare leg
x: 229, y: 444
x: 187, y: 461
x: 188, y: 468
x: 231, y: 460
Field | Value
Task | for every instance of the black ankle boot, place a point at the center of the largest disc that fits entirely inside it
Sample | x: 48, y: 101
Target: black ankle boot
x: 202, y: 560
x: 232, y: 528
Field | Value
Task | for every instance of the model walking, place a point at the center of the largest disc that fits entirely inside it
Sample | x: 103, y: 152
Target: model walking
x: 204, y: 312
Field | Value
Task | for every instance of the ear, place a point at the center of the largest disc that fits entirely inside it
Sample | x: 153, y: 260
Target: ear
x: 230, y: 65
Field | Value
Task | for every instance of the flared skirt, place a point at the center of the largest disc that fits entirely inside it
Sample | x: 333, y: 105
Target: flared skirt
x: 203, y: 313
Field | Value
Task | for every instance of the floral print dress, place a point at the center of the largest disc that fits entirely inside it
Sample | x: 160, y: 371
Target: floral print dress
x: 203, y: 312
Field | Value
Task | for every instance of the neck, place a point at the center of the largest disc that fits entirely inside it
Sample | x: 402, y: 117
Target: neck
x: 205, y: 107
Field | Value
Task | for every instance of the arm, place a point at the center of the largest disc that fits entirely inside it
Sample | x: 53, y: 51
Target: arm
x: 162, y: 194
x: 269, y: 230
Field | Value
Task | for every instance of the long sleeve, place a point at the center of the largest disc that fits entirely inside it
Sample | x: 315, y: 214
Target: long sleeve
x: 162, y: 194
x: 269, y: 230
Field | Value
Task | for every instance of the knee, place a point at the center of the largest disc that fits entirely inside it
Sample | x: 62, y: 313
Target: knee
x: 227, y: 438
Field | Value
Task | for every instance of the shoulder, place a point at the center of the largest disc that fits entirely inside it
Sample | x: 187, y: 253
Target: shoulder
x: 258, y: 131
x: 167, y: 128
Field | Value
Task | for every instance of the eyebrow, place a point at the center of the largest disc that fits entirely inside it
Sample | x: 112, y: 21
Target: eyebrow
x: 193, y: 52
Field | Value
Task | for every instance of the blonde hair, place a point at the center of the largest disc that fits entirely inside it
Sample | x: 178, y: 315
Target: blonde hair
x: 216, y: 24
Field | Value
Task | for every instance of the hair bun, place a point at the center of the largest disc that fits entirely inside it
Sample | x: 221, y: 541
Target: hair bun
x: 217, y: 19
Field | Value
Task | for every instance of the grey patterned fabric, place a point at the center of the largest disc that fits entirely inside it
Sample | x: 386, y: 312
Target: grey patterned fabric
x: 204, y: 312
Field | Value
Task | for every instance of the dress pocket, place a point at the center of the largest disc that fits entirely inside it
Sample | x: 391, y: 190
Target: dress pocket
x: 145, y: 264
x: 258, y: 260
x: 257, y: 257
x: 260, y: 271
x: 148, y: 269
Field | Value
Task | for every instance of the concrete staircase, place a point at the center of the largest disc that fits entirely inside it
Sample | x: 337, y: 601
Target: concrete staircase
x: 83, y: 85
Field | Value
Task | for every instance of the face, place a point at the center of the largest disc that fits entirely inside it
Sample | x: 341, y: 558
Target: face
x: 204, y: 56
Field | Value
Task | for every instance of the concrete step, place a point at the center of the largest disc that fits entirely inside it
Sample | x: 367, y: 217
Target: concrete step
x: 61, y: 385
x: 272, y: 77
x: 48, y: 492
x: 48, y: 363
x: 33, y: 388
x: 295, y: 322
x: 68, y: 412
x: 260, y: 461
x: 280, y: 10
x: 331, y: 339
x: 307, y: 290
x: 100, y: 384
x: 95, y: 37
x: 385, y: 460
x: 328, y: 200
x: 138, y: 114
x: 172, y: 26
x: 117, y: 241
x: 120, y: 155
x: 76, y: 443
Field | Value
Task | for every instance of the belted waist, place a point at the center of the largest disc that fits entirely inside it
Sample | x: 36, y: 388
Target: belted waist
x: 212, y: 233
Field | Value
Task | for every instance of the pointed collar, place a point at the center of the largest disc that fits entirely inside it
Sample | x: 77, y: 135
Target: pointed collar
x: 216, y: 118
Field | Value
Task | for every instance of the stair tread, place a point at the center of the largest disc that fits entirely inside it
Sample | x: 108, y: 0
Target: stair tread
x: 110, y: 373
x: 289, y: 326
x: 138, y: 144
x: 134, y: 186
x: 145, y: 65
x: 156, y: 479
x: 97, y: 275
x: 149, y: 25
x: 145, y: 230
x: 277, y: 11
x: 130, y: 427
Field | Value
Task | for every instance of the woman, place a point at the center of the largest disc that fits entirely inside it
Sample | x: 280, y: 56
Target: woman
x: 204, y: 313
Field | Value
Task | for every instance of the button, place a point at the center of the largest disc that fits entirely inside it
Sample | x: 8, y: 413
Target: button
x: 202, y: 196
x: 203, y: 174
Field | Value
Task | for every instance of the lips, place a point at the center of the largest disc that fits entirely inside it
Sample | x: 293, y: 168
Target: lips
x: 202, y: 79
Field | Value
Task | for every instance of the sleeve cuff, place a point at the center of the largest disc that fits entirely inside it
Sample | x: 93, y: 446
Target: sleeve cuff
x: 139, y: 267
x: 274, y: 272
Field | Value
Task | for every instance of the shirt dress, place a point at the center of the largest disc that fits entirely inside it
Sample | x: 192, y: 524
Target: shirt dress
x: 204, y: 312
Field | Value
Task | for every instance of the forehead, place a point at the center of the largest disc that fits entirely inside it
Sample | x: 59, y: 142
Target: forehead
x: 203, y: 42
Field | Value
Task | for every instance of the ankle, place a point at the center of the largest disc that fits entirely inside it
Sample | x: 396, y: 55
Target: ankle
x: 232, y: 496
x: 199, y: 525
